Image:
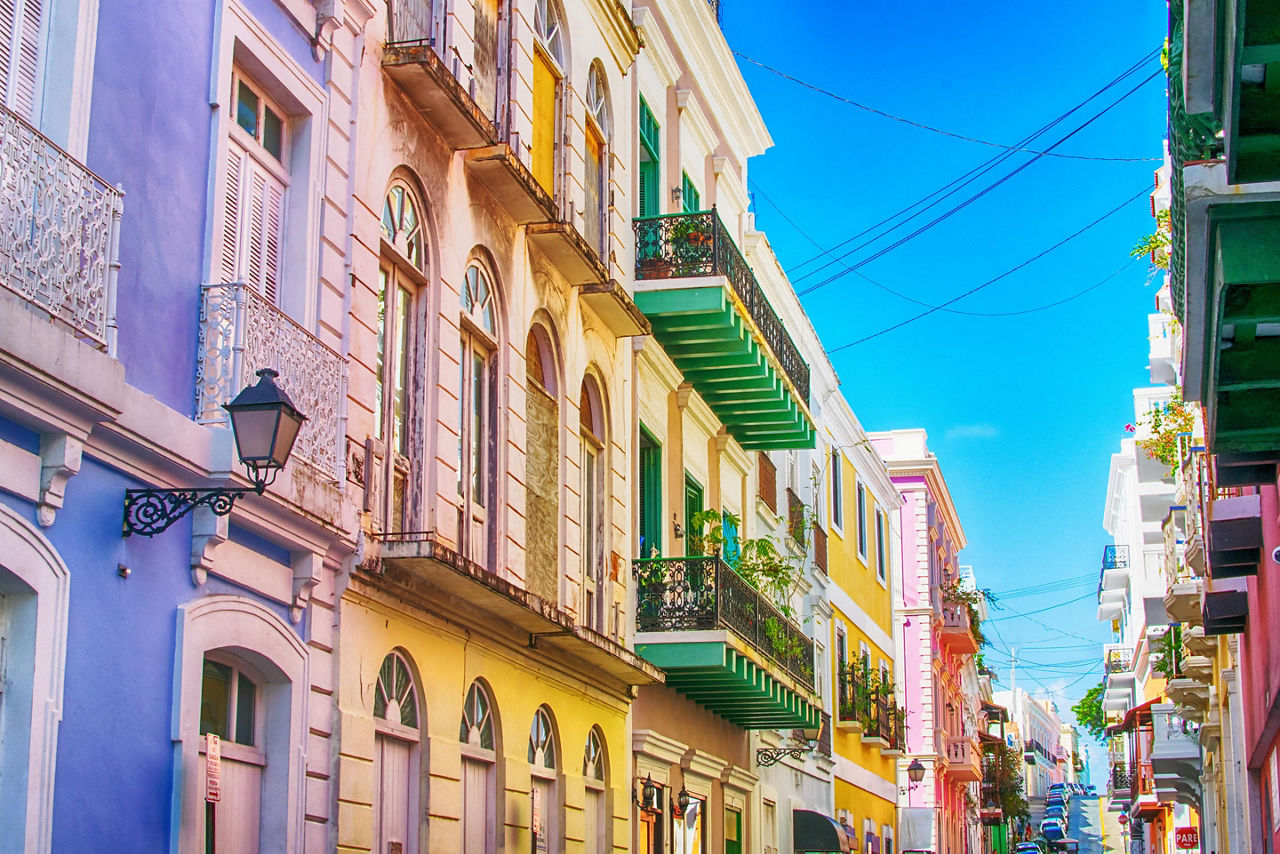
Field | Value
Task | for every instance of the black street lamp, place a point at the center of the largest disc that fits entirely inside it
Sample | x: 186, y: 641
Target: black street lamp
x: 915, y: 773
x: 265, y: 424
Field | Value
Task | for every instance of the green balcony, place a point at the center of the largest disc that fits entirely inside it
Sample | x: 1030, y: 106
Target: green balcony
x: 1242, y: 329
x: 1250, y: 44
x: 712, y: 318
x: 723, y: 645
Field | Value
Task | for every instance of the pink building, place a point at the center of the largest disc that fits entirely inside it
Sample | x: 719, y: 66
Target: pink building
x: 938, y: 641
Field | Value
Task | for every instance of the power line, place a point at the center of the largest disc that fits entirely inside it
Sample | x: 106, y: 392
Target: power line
x: 956, y: 311
x: 967, y: 177
x: 962, y: 205
x: 1143, y: 192
x: 1017, y: 614
x: 931, y: 128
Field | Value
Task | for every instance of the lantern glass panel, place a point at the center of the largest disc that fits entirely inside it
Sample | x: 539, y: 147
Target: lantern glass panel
x: 255, y: 431
x: 290, y: 424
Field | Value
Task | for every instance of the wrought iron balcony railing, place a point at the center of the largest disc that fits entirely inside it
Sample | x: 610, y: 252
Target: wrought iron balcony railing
x: 1115, y: 557
x: 689, y: 245
x: 1121, y: 779
x: 686, y: 594
x: 860, y: 699
x: 241, y: 332
x: 59, y: 233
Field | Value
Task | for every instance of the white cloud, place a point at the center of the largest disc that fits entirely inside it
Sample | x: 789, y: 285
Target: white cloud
x: 973, y: 431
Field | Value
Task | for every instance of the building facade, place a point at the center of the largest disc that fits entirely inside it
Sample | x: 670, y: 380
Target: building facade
x: 939, y: 638
x: 164, y: 210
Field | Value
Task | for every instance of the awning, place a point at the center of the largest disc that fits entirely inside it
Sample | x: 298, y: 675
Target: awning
x: 813, y: 831
x: 1131, y: 716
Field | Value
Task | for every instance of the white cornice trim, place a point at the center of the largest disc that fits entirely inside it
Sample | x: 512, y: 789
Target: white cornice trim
x: 697, y: 38
x: 654, y: 745
x: 866, y: 780
x: 655, y: 47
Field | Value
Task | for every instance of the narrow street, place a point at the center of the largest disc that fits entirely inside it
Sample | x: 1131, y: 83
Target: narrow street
x: 1091, y: 825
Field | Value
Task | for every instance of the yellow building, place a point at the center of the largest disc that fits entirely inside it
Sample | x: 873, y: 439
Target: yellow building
x: 484, y: 678
x: 863, y: 570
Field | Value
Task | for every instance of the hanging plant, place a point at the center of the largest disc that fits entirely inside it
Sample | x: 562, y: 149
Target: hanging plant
x: 1166, y: 422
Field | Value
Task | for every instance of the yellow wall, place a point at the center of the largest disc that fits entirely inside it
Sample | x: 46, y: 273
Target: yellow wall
x: 446, y: 659
x: 855, y: 575
x: 861, y: 804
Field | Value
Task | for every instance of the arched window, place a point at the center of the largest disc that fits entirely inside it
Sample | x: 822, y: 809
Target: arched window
x: 402, y: 268
x: 543, y: 762
x: 542, y: 467
x: 592, y: 494
x: 477, y: 411
x: 479, y: 772
x: 402, y: 225
x: 595, y: 773
x: 548, y: 72
x: 595, y: 208
x: 395, y: 757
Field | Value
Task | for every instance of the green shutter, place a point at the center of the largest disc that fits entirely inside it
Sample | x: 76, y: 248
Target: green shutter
x: 648, y: 188
x: 648, y: 130
x: 649, y: 163
x: 650, y: 496
x: 692, y: 505
x: 689, y: 193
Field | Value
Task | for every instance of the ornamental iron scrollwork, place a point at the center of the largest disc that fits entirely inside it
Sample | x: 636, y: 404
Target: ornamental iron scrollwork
x: 700, y: 593
x: 59, y: 230
x: 690, y: 245
x: 241, y: 331
x: 148, y: 512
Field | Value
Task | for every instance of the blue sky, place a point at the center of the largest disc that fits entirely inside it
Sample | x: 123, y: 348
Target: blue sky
x: 1023, y: 411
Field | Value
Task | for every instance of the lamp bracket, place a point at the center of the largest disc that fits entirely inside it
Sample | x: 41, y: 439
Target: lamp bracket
x: 148, y: 512
x: 766, y: 756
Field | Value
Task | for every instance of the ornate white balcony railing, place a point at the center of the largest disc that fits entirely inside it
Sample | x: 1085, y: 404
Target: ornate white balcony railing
x: 241, y: 332
x: 59, y: 233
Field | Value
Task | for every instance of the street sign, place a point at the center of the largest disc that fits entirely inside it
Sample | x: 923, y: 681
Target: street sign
x: 1122, y: 818
x: 1187, y: 837
x: 212, y: 768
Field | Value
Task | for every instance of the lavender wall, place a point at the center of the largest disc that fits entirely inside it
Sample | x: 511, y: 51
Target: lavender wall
x: 150, y: 131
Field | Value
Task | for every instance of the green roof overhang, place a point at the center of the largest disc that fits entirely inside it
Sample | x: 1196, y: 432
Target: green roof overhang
x: 731, y: 683
x: 1242, y: 371
x: 1251, y: 36
x: 711, y: 339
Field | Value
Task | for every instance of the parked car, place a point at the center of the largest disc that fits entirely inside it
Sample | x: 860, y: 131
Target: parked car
x: 1053, y: 829
x: 1032, y: 848
x: 1059, y: 813
x: 1070, y: 846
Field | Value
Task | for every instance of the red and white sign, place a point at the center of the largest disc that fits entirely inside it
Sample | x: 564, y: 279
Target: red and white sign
x: 1187, y: 837
x: 212, y: 768
x: 1123, y: 818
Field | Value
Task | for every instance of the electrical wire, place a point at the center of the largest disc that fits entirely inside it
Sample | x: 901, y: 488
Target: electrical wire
x: 958, y: 311
x: 966, y: 178
x: 928, y: 127
x: 1143, y: 192
x: 1019, y: 614
x: 970, y: 200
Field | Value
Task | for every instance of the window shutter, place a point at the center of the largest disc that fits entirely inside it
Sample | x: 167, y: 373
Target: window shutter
x: 20, y: 44
x: 231, y: 192
x: 263, y: 223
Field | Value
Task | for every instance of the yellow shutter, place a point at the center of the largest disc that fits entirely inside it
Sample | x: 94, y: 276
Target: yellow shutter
x: 544, y: 121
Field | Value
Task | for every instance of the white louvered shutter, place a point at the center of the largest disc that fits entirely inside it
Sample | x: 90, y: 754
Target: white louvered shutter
x: 264, y: 222
x: 232, y: 198
x: 20, y: 54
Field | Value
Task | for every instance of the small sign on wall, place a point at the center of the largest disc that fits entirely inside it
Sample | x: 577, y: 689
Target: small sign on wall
x: 536, y: 824
x: 212, y: 768
x: 1187, y: 837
